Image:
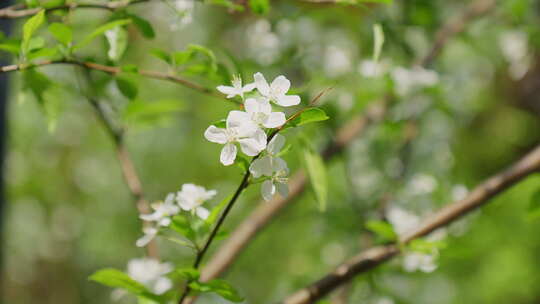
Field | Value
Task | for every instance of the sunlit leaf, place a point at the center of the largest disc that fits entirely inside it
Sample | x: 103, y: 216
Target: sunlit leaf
x: 378, y: 38
x: 143, y: 26
x: 29, y: 28
x: 308, y: 116
x: 317, y: 176
x: 100, y: 31
x: 127, y: 87
x: 220, y: 287
x: 382, y: 229
x: 260, y: 7
x: 61, y: 32
x: 116, y: 278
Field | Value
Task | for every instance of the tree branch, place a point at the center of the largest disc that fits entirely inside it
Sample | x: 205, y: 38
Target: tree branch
x: 19, y: 11
x: 113, y: 71
x: 372, y: 257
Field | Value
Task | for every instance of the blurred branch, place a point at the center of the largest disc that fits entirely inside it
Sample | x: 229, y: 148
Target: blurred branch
x: 265, y: 212
x: 374, y: 256
x: 454, y: 26
x: 113, y: 71
x: 19, y: 10
x: 126, y: 164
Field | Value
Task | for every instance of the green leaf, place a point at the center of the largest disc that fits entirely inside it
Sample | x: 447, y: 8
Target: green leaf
x: 61, y: 32
x: 117, y: 38
x: 11, y: 45
x: 210, y: 65
x: 220, y: 287
x: 29, y: 28
x: 317, y: 176
x: 378, y: 37
x: 37, y: 83
x: 424, y: 246
x: 44, y: 52
x: 181, y: 225
x: 533, y: 211
x: 216, y: 211
x: 130, y: 68
x: 143, y: 26
x: 116, y: 278
x: 182, y: 57
x: 127, y: 87
x: 228, y: 4
x: 188, y: 273
x: 222, y: 124
x: 308, y: 116
x: 382, y: 229
x: 260, y: 7
x: 101, y: 30
x: 162, y: 55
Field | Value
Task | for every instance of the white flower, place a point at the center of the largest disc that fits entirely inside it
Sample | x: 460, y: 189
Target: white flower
x: 403, y: 221
x: 191, y: 197
x: 277, y: 182
x: 237, y: 88
x: 162, y: 211
x: 239, y: 128
x: 265, y: 165
x: 408, y: 80
x: 151, y: 273
x: 149, y: 234
x: 274, y: 167
x: 276, y: 91
x: 260, y: 113
x: 413, y: 261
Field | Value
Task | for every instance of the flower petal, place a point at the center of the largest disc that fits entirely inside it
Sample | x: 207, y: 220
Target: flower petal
x: 261, y: 166
x: 267, y: 190
x: 251, y: 105
x: 261, y: 84
x: 276, y: 144
x: 288, y: 100
x: 250, y: 146
x: 279, y: 164
x: 248, y: 87
x: 228, y: 155
x: 274, y: 120
x: 215, y: 134
x: 202, y: 212
x: 280, y: 85
x: 230, y: 91
x: 237, y: 119
x: 161, y: 285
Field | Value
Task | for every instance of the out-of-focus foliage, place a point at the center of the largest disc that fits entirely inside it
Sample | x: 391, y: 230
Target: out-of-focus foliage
x: 70, y: 213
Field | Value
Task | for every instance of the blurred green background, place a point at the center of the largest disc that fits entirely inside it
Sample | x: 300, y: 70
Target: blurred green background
x: 69, y: 212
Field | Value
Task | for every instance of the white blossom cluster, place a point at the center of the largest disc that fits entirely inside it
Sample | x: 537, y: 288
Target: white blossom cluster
x: 250, y: 130
x: 190, y: 198
x: 403, y: 221
x: 150, y: 273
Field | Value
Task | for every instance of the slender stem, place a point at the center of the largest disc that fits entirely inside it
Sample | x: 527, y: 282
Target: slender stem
x: 126, y: 164
x: 19, y: 11
x: 113, y: 71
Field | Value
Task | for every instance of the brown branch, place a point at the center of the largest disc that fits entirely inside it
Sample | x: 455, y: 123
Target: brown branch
x: 113, y: 71
x: 455, y: 26
x: 19, y: 11
x: 370, y: 258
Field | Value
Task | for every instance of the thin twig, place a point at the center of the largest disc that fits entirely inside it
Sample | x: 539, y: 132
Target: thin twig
x: 374, y: 256
x: 113, y: 71
x: 129, y: 172
x: 19, y: 11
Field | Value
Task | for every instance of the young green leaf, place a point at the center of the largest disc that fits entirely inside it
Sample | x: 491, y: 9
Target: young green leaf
x: 308, y: 116
x: 162, y: 55
x: 260, y: 7
x: 181, y: 225
x: 117, y: 279
x: 188, y: 273
x: 424, y: 246
x: 220, y: 287
x: 127, y: 87
x: 99, y: 31
x: 317, y: 176
x: 216, y: 211
x: 382, y: 229
x: 29, y: 28
x: 378, y: 37
x: 61, y: 32
x: 143, y: 26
